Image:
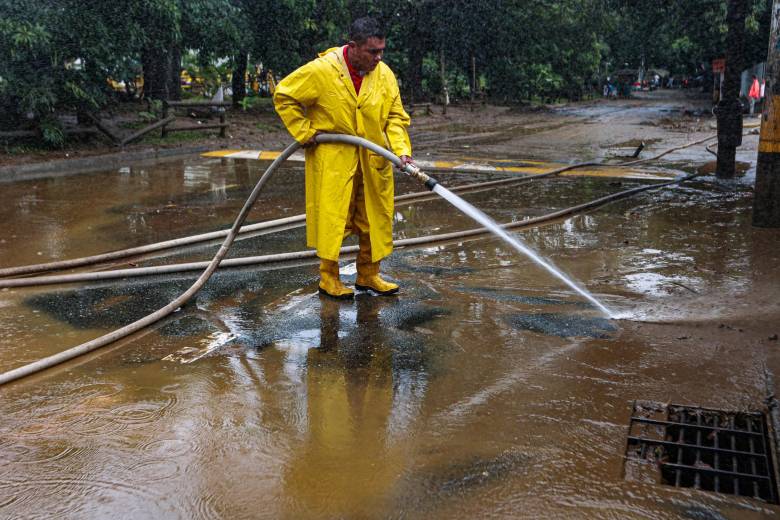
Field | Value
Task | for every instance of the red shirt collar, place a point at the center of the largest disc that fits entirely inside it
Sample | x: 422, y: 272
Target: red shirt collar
x: 357, y: 79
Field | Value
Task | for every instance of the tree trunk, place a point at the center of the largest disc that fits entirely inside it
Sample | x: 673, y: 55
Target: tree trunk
x: 729, y: 110
x: 416, y: 38
x: 414, y: 75
x: 473, y: 82
x: 766, y: 200
x: 162, y: 73
x: 174, y: 73
x: 238, y: 82
x: 445, y: 92
x: 156, y: 72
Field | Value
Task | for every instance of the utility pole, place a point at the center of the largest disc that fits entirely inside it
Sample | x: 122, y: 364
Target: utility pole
x: 729, y: 109
x: 766, y: 199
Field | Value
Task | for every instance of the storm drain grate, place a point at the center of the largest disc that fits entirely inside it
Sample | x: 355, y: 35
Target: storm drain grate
x: 712, y: 450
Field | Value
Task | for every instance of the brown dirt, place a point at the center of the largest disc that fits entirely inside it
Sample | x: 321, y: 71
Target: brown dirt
x: 251, y: 129
x: 502, y: 130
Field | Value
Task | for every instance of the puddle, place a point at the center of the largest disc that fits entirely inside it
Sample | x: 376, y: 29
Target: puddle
x: 484, y: 387
x: 563, y: 325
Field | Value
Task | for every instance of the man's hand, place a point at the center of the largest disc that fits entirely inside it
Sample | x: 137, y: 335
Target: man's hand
x: 405, y: 159
x: 312, y: 142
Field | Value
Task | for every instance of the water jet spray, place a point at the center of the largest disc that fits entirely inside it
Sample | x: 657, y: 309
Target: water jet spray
x: 432, y: 184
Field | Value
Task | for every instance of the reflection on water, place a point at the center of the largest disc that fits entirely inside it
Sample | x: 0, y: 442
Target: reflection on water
x: 482, y: 389
x: 356, y: 387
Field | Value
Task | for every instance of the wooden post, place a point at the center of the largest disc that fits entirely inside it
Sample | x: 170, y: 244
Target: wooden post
x: 729, y: 110
x: 164, y: 131
x: 223, y: 128
x: 766, y: 199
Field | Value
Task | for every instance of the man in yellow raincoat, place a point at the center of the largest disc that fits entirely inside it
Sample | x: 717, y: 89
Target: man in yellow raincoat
x: 349, y: 190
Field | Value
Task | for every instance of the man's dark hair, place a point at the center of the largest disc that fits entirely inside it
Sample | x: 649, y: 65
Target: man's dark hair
x: 364, y: 28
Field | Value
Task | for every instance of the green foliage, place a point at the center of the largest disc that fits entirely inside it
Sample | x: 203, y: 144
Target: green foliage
x: 58, y: 55
x: 52, y: 132
x: 153, y: 111
x: 689, y: 35
x: 47, y: 68
x: 20, y: 149
x: 211, y: 73
x: 154, y: 138
x: 265, y: 126
x: 147, y: 116
x: 540, y: 77
x: 245, y: 103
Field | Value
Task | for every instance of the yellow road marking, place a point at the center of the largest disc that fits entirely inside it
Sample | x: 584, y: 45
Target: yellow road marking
x: 533, y: 168
x: 220, y: 153
x: 268, y: 156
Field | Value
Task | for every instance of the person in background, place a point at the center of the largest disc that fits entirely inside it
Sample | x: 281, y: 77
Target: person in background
x: 754, y: 94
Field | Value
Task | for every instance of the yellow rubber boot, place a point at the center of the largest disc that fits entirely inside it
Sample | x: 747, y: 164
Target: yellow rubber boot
x: 330, y: 284
x: 368, y: 272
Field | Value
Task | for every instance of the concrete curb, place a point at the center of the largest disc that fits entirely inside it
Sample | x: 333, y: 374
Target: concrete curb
x: 94, y: 163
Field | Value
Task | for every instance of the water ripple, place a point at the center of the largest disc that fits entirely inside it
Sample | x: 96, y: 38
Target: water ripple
x: 69, y: 496
x: 171, y: 448
x: 141, y: 413
x: 21, y: 454
x: 204, y: 505
x: 155, y: 470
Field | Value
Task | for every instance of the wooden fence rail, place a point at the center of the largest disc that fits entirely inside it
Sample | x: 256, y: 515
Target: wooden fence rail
x: 163, y: 124
x: 222, y: 126
x: 17, y: 134
x: 142, y: 132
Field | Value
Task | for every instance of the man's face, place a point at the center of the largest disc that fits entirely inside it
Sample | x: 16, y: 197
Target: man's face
x: 367, y: 55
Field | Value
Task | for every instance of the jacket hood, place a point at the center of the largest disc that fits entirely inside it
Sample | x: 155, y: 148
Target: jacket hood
x: 332, y: 49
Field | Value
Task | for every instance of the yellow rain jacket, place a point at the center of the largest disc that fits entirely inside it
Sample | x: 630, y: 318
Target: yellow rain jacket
x: 319, y: 96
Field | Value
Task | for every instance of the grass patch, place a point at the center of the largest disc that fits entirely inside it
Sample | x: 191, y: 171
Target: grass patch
x: 268, y: 126
x: 23, y: 149
x: 193, y: 97
x: 259, y: 103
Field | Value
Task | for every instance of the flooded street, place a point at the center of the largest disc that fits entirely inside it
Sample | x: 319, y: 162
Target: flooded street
x: 485, y: 388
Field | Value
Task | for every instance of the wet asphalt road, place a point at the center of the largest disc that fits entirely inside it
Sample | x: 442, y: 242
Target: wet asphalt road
x: 483, y: 389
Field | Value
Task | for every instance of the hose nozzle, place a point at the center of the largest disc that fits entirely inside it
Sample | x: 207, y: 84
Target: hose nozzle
x: 414, y: 171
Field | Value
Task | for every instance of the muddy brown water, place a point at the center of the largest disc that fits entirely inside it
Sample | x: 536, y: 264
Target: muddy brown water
x: 483, y: 389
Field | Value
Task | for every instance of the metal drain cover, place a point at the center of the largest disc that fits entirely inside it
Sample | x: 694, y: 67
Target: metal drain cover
x: 712, y: 450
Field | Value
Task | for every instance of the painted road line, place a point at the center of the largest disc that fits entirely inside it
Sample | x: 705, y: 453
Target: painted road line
x: 222, y: 153
x: 498, y: 166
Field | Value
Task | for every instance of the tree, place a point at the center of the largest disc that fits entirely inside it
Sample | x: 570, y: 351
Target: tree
x: 57, y: 56
x: 213, y: 28
x: 688, y: 34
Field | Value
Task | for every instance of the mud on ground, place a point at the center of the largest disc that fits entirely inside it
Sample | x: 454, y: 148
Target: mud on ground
x: 482, y: 130
x: 484, y: 389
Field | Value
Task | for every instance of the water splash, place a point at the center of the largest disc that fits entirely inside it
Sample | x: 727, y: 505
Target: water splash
x: 497, y: 230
